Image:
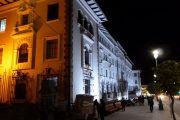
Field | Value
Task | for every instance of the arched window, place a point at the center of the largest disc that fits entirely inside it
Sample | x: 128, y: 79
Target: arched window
x: 80, y: 17
x: 86, y: 57
x: 23, y: 53
x: 91, y: 29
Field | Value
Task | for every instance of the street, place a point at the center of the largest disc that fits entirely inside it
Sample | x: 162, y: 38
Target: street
x: 137, y: 112
x: 142, y: 112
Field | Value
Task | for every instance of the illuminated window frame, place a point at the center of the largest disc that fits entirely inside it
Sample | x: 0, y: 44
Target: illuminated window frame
x: 23, y: 53
x: 87, y: 57
x: 87, y: 47
x: 2, y: 25
x: 87, y: 86
x: 47, y: 39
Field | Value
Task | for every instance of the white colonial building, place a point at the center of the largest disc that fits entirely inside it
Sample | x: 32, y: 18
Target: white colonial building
x: 84, y: 66
x: 100, y: 65
x: 107, y: 64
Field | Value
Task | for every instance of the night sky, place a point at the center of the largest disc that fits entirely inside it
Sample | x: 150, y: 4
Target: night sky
x: 141, y: 26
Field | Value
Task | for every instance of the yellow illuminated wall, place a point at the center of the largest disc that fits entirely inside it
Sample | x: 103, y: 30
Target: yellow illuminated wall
x: 35, y: 35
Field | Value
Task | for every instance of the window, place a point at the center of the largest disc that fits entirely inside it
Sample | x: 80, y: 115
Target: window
x: 102, y: 85
x: 108, y: 87
x: 2, y: 25
x: 53, y: 12
x: 1, y: 55
x: 87, y: 87
x: 122, y: 75
x: 23, y: 53
x: 87, y: 57
x: 135, y: 74
x: 53, y: 80
x: 113, y: 61
x: 136, y: 82
x: 25, y: 19
x: 85, y: 23
x: 91, y: 29
x: 80, y: 17
x: 111, y: 85
x: 51, y: 49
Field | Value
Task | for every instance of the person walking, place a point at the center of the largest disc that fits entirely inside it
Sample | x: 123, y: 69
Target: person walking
x: 160, y: 105
x: 151, y: 104
x: 102, y: 109
x: 96, y: 110
x: 123, y: 103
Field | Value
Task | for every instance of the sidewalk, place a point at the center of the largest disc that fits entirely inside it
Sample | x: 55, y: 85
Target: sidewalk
x: 142, y: 113
x: 137, y: 112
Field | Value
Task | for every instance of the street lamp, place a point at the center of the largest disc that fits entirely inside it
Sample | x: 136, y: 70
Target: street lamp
x: 156, y: 54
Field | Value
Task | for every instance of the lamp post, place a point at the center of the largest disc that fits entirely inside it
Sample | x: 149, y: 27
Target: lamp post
x: 156, y: 54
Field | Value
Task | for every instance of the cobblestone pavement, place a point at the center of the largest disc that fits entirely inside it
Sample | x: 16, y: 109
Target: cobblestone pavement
x: 142, y: 112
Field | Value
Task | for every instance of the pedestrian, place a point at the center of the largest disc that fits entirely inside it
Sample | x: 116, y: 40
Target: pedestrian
x: 95, y: 110
x: 151, y: 104
x: 142, y: 99
x: 102, y: 109
x: 160, y: 105
x: 123, y: 103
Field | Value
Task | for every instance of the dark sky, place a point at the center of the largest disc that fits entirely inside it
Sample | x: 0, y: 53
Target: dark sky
x: 141, y: 26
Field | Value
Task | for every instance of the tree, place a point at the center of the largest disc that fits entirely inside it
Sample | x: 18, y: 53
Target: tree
x: 154, y: 88
x: 168, y: 78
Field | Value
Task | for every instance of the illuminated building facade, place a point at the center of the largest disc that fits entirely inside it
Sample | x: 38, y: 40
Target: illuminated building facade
x: 134, y: 85
x: 34, y: 50
x: 116, y: 75
x: 59, y: 46
x: 86, y: 17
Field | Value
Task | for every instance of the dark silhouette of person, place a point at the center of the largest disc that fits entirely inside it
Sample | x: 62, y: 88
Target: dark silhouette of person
x: 142, y: 100
x: 151, y: 104
x: 102, y: 109
x: 95, y: 109
x: 160, y: 105
x: 123, y: 103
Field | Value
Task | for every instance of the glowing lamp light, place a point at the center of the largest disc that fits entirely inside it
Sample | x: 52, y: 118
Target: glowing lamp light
x: 156, y: 53
x: 155, y: 75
